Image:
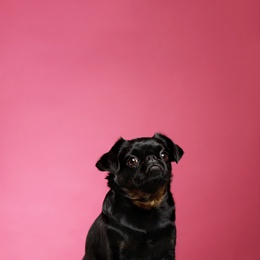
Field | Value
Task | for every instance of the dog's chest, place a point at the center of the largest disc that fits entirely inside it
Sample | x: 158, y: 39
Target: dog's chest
x: 143, y: 237
x: 157, y: 246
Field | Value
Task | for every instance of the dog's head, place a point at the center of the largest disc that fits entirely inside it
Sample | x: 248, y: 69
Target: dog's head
x: 141, y: 163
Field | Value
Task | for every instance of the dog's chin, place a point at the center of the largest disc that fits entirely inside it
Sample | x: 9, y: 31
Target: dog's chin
x: 153, y: 178
x: 155, y: 170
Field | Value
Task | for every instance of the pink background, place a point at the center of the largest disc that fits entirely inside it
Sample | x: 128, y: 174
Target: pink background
x: 76, y: 75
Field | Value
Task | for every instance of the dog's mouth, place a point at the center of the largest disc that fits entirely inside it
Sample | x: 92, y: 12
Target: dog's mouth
x: 154, y: 168
x: 151, y: 177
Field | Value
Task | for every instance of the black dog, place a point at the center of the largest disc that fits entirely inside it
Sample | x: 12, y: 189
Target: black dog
x: 138, y: 215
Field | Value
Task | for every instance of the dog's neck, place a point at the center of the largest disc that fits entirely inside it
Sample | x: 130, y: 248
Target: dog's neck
x: 146, y: 200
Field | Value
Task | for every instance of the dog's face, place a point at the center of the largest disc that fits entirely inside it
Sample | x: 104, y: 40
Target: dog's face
x: 141, y: 163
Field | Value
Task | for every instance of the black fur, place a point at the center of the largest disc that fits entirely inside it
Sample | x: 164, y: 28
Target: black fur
x: 137, y: 221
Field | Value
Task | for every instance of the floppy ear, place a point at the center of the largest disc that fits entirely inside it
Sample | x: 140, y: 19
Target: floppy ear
x: 109, y: 161
x: 175, y: 151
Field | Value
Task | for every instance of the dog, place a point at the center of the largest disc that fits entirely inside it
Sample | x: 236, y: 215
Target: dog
x: 137, y: 221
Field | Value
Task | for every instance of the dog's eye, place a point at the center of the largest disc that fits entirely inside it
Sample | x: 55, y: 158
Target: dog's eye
x: 132, y: 162
x: 164, y: 156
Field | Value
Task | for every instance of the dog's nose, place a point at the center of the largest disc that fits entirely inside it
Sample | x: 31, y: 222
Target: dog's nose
x: 151, y: 158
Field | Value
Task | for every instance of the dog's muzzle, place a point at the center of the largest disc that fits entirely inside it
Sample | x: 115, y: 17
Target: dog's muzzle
x: 154, y: 168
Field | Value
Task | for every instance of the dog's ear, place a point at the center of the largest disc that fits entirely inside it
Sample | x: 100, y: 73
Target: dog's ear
x: 109, y: 161
x: 175, y: 151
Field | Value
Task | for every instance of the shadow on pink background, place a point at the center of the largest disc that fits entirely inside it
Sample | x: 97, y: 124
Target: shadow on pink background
x: 76, y: 75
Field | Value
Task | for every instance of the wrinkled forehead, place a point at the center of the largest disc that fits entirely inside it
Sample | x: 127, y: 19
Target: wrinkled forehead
x: 145, y: 147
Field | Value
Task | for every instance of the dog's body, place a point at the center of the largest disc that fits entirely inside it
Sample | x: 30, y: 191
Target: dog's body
x: 138, y: 216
